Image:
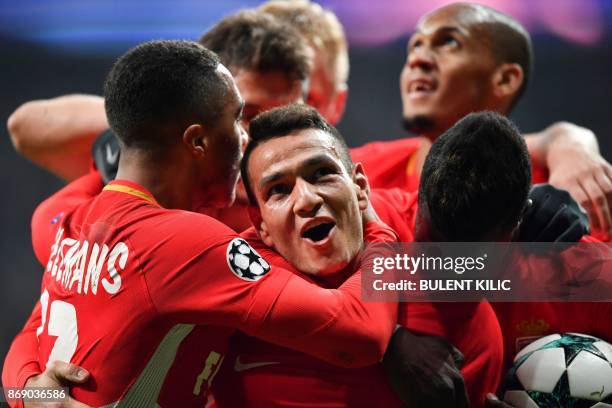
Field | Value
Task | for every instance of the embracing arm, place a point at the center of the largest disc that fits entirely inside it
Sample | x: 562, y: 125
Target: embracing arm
x: 571, y: 154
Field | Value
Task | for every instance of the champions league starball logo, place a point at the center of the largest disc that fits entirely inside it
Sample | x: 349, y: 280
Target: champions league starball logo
x: 245, y: 262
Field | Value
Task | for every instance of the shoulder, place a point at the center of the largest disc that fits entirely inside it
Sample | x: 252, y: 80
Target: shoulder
x: 184, y: 227
x: 405, y: 146
x: 397, y: 208
x: 395, y: 200
x: 68, y: 198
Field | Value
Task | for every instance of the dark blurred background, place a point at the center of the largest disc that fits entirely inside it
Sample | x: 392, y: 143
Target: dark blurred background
x: 61, y: 46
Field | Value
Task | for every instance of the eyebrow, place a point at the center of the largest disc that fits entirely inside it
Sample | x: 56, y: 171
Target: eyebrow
x: 313, y: 161
x: 443, y: 29
x: 449, y: 29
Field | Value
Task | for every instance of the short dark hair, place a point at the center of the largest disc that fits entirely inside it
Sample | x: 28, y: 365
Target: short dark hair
x: 284, y: 121
x: 510, y: 43
x: 475, y: 179
x: 257, y: 41
x: 162, y: 83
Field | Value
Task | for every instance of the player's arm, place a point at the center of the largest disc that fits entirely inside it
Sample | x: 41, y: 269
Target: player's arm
x: 57, y: 133
x: 278, y: 306
x: 571, y: 154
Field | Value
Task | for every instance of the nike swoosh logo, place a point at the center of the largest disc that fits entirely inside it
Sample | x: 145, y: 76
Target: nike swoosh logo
x: 111, y: 157
x: 239, y: 366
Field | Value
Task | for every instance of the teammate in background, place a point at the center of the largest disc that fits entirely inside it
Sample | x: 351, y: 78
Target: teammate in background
x: 181, y: 142
x: 328, y: 88
x: 467, y: 57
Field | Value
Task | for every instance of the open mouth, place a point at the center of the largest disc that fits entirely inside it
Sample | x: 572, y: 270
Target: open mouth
x: 319, y: 232
x: 420, y: 87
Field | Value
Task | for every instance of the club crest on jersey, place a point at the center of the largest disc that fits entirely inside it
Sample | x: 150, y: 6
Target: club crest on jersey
x: 245, y: 262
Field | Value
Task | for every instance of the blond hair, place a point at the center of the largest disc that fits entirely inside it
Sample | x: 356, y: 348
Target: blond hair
x: 321, y: 28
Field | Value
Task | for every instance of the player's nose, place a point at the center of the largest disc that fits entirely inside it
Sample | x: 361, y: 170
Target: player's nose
x: 421, y: 57
x: 306, y: 201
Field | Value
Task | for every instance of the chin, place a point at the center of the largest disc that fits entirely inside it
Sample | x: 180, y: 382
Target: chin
x: 418, y: 122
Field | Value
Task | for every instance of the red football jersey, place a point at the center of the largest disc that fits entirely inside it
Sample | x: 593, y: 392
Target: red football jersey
x: 126, y: 280
x: 258, y: 374
x: 390, y: 164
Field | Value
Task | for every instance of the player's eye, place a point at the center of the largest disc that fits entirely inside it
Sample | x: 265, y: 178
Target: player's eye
x: 278, y: 190
x: 322, y: 172
x: 414, y: 45
x: 448, y: 41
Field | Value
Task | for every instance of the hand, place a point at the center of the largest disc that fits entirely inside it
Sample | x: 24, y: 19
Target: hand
x: 56, y: 375
x: 493, y: 402
x: 424, y: 370
x: 589, y: 181
x: 553, y: 216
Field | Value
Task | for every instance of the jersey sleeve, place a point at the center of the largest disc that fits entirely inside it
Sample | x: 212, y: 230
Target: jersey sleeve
x: 49, y: 212
x: 218, y: 278
x: 21, y: 361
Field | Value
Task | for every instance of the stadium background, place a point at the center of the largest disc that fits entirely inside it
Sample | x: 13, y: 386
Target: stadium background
x: 62, y: 46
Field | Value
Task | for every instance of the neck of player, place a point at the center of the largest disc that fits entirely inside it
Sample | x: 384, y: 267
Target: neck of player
x: 171, y: 185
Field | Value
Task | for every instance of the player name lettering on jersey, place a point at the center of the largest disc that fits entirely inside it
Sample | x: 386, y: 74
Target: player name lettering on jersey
x: 79, y: 263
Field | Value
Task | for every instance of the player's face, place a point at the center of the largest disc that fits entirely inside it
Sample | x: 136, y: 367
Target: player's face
x: 449, y: 69
x: 262, y: 91
x: 310, y: 205
x: 221, y: 166
x: 323, y: 94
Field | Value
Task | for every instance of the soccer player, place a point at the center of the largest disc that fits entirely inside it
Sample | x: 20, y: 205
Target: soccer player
x: 130, y: 271
x: 463, y: 58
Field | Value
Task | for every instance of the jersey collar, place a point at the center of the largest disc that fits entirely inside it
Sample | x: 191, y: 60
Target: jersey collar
x: 127, y: 187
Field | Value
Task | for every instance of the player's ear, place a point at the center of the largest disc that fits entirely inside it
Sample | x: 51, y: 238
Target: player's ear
x: 362, y: 186
x: 507, y: 80
x: 260, y: 225
x: 195, y: 138
x: 339, y: 104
